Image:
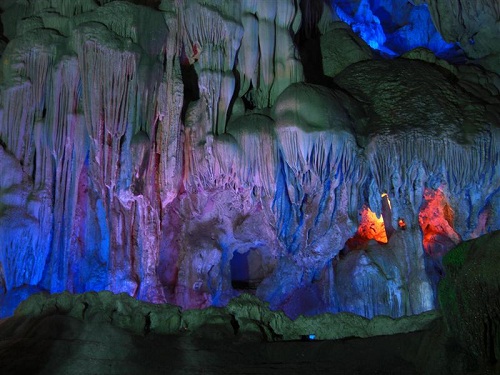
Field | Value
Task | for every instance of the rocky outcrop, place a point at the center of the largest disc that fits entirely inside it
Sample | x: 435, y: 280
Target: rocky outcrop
x: 341, y: 47
x: 469, y: 298
x: 473, y: 24
x: 115, y: 334
x: 245, y: 317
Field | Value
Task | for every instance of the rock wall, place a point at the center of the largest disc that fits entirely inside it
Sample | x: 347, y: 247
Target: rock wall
x: 245, y: 318
x: 178, y: 155
x: 469, y: 297
x: 473, y: 24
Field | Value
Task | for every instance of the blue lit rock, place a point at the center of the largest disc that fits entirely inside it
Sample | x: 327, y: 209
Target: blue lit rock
x: 394, y: 27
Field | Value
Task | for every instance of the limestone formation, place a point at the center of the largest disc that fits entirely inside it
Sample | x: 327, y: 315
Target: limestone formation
x: 180, y: 152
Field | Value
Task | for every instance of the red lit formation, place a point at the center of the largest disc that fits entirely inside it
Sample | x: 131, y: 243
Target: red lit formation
x: 436, y: 221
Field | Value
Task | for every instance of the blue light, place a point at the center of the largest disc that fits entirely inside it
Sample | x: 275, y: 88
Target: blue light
x: 393, y: 27
x: 371, y: 33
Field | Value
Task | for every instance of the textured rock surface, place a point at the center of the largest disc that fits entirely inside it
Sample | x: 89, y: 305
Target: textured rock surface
x: 341, y: 47
x: 177, y: 155
x: 59, y: 344
x: 111, y: 334
x: 473, y: 24
x: 245, y: 317
x: 469, y: 296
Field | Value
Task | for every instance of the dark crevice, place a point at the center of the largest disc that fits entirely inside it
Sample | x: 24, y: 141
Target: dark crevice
x: 248, y: 286
x: 85, y: 307
x: 147, y: 323
x: 190, y: 82
x: 249, y: 105
x: 148, y: 3
x: 3, y: 38
x: 273, y: 335
x: 242, y: 277
x: 235, y: 324
x: 237, y: 87
x: 311, y: 11
x: 307, y: 41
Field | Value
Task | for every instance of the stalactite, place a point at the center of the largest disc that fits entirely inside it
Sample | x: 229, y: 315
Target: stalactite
x: 29, y: 61
x: 265, y: 23
x: 25, y: 226
x: 169, y: 106
x: 259, y: 157
x: 213, y: 39
x: 107, y: 82
x: 67, y: 159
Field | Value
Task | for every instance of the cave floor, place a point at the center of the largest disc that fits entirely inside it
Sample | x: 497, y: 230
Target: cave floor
x: 62, y: 345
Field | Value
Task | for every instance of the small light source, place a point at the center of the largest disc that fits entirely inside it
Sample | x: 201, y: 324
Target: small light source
x: 312, y: 337
x: 384, y: 195
x: 402, y: 223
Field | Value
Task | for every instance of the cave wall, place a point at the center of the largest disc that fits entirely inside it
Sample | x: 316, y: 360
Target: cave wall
x: 471, y: 304
x: 176, y: 151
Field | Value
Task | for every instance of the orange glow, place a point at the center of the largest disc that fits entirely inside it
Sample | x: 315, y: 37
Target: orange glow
x: 436, y: 221
x: 370, y: 227
x: 402, y: 223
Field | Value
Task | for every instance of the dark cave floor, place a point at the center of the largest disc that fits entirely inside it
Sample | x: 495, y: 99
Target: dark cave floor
x: 59, y: 344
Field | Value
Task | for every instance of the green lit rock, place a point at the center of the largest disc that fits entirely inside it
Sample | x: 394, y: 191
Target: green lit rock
x: 469, y: 295
x: 212, y: 322
x: 245, y: 318
x: 341, y: 47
